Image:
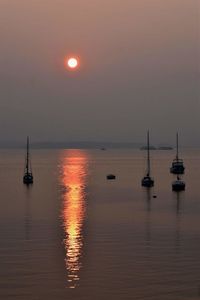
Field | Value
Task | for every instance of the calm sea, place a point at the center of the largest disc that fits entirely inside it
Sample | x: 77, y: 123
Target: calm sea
x: 75, y: 235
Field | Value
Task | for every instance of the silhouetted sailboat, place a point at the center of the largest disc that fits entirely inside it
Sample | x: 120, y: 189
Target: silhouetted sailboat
x: 178, y: 184
x: 177, y: 164
x: 147, y: 181
x: 28, y: 176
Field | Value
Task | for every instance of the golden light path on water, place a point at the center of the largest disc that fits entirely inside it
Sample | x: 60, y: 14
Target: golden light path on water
x: 74, y: 181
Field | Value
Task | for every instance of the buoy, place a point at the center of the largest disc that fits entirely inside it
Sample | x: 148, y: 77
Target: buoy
x: 111, y: 177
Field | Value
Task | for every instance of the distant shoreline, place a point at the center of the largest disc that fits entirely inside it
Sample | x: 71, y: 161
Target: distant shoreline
x: 88, y: 145
x: 33, y: 147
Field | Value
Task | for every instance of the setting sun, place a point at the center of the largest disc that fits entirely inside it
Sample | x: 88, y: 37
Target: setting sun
x: 72, y: 62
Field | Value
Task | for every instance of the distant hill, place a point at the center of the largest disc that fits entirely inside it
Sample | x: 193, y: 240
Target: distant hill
x: 84, y: 145
x: 70, y: 145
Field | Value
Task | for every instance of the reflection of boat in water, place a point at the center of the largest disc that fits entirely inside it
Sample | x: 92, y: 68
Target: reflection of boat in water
x: 74, y: 180
x: 28, y: 213
x: 177, y: 164
x: 178, y: 185
x: 147, y: 181
x: 148, y: 196
x: 178, y: 199
x: 28, y: 176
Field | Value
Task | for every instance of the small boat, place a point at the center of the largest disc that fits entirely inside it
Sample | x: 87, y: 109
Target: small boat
x: 178, y: 185
x: 147, y: 181
x: 28, y: 176
x: 177, y: 164
x: 111, y: 177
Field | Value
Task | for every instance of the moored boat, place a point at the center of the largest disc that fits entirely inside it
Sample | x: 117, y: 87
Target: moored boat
x: 28, y: 176
x: 177, y: 164
x: 147, y: 180
x: 178, y: 185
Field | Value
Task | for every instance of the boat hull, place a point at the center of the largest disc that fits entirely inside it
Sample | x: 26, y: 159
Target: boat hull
x: 178, y: 186
x: 28, y: 179
x: 177, y: 167
x: 147, y: 182
x: 177, y: 170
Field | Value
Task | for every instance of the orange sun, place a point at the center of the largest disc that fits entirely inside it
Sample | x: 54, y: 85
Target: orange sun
x: 72, y: 63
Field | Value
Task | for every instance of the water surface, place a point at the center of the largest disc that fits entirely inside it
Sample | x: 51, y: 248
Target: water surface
x: 75, y: 235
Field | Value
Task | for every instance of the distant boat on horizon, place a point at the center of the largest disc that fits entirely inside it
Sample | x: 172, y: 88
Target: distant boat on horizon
x: 177, y: 164
x: 28, y: 176
x: 157, y: 148
x: 147, y: 181
x: 165, y: 148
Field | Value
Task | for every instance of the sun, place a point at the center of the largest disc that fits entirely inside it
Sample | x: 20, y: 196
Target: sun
x: 72, y: 62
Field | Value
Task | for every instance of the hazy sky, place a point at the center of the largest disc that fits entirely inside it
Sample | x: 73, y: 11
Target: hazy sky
x: 139, y: 70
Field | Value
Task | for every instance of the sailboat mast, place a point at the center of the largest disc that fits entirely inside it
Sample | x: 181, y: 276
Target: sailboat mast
x: 177, y: 145
x: 148, y: 155
x: 27, y: 155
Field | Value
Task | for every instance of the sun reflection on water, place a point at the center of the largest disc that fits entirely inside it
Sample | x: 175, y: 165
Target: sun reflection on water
x: 74, y: 172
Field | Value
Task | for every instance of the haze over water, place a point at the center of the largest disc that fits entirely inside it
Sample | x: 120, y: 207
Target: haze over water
x: 75, y: 235
x: 139, y: 69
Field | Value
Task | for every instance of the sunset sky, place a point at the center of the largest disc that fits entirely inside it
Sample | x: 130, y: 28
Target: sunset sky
x: 138, y: 69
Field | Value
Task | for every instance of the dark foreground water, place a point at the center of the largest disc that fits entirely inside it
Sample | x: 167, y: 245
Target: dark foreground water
x: 74, y: 235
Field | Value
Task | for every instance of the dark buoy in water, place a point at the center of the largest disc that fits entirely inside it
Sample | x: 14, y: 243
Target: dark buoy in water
x: 111, y: 177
